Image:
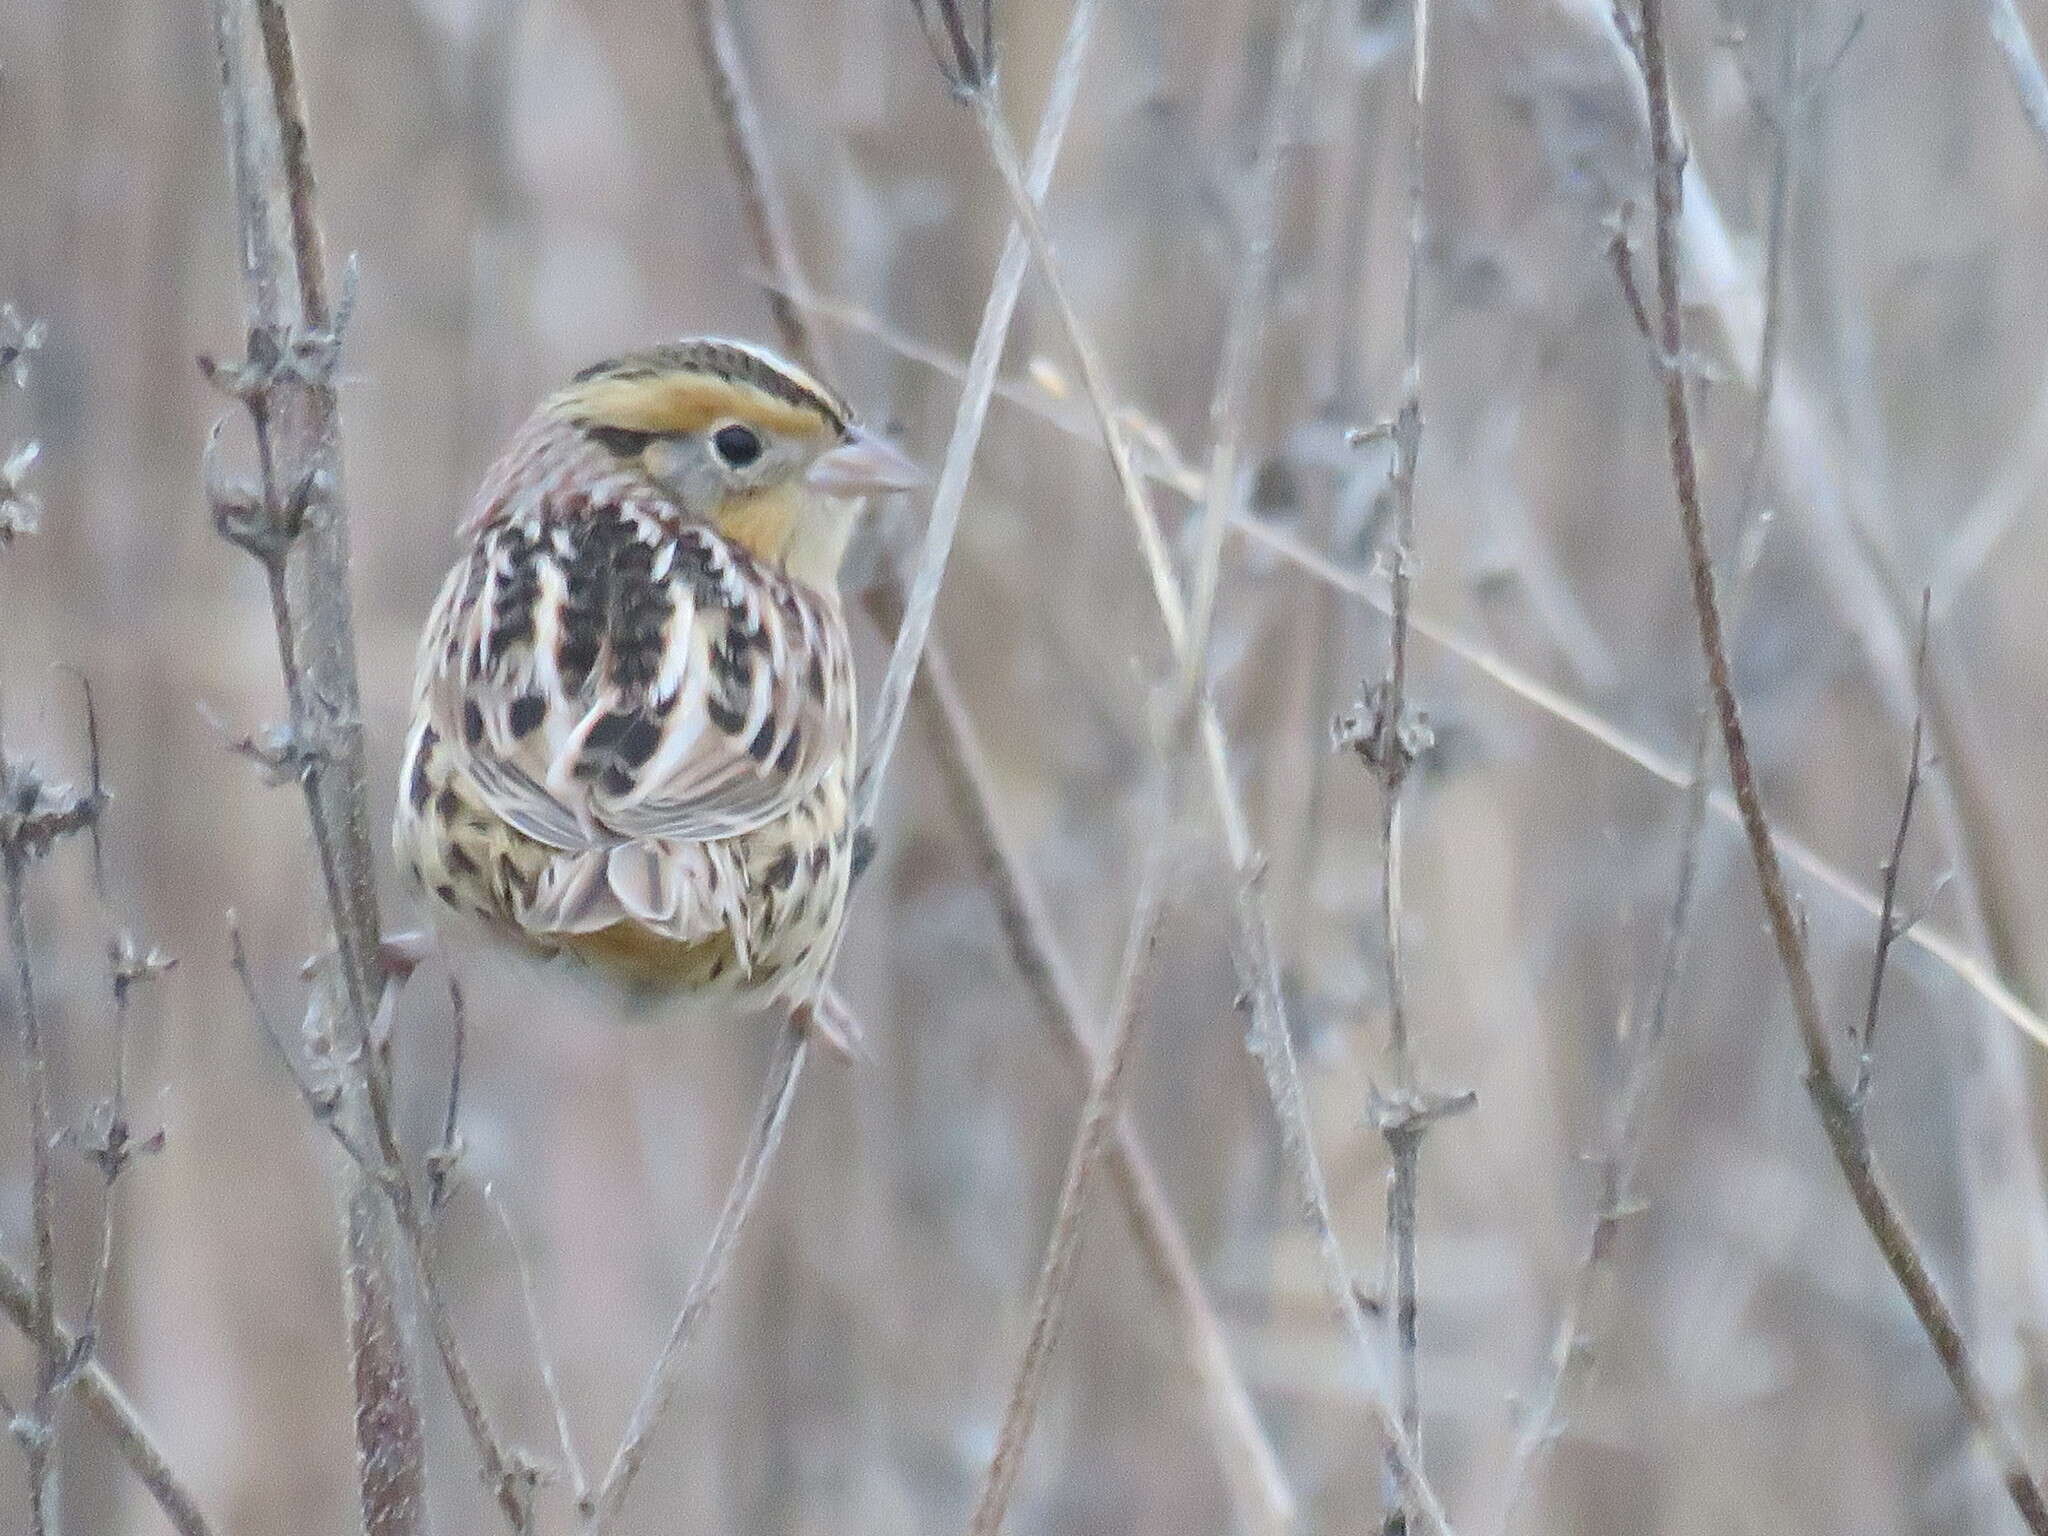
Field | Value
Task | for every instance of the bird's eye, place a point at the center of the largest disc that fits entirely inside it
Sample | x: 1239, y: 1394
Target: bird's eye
x: 737, y: 445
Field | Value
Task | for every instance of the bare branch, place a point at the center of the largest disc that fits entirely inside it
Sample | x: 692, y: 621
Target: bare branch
x: 108, y: 1139
x: 1889, y: 926
x: 35, y: 1429
x: 964, y: 47
x: 579, y: 1482
x: 762, y: 207
x: 1572, y: 1347
x: 35, y: 815
x: 1263, y: 1498
x: 1839, y: 1114
x: 2022, y: 63
x: 1547, y: 700
x: 1265, y: 1502
x: 1056, y: 1273
x: 293, y: 522
x: 969, y: 414
x: 1258, y: 963
x: 109, y: 1406
x: 602, y: 1508
x: 1572, y: 1342
x: 1250, y: 304
x: 1388, y: 736
x: 442, y: 1159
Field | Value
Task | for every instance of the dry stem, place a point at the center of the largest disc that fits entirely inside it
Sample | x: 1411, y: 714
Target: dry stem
x: 34, y: 817
x: 293, y: 521
x: 36, y: 1428
x: 1571, y: 1355
x: 1387, y: 739
x: 1056, y: 1274
x: 1264, y: 1502
x: 1256, y: 958
x: 1245, y: 327
x: 1839, y: 1111
x: 107, y: 1403
x: 602, y: 1507
x: 1547, y: 700
x: 969, y: 414
x: 2030, y: 84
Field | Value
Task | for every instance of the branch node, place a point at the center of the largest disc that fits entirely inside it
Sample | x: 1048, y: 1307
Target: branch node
x: 964, y: 48
x: 32, y: 1432
x: 36, y: 814
x: 1389, y: 743
x: 21, y: 510
x: 281, y: 754
x: 1404, y: 1117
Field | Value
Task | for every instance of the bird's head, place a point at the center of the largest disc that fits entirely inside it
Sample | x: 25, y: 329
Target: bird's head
x: 742, y: 439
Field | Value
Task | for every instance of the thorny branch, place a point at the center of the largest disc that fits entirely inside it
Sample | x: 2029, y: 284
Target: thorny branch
x: 1840, y: 1113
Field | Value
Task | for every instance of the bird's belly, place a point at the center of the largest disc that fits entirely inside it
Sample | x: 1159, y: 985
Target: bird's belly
x: 761, y: 925
x: 645, y: 960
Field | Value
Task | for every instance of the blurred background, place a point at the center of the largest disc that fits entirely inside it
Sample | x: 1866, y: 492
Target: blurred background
x: 527, y: 185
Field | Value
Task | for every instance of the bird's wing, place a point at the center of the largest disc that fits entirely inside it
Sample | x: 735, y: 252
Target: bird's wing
x: 609, y: 676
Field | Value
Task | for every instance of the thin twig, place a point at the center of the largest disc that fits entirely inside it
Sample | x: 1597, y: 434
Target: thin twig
x: 1572, y: 1345
x: 762, y: 207
x: 110, y: 1141
x: 1256, y: 958
x: 1388, y: 737
x: 510, y: 1477
x: 36, y: 1428
x: 34, y: 816
x: 970, y: 412
x: 294, y: 523
x: 1839, y: 1114
x: 965, y: 52
x: 1250, y: 305
x: 1571, y: 1354
x: 441, y: 1161
x: 1482, y: 657
x: 1272, y: 1046
x: 1889, y: 925
x: 1265, y: 1503
x: 1056, y: 1273
x: 579, y: 1482
x: 1819, y: 480
x: 110, y: 1407
x: 1002, y: 151
x: 602, y: 1507
x: 2016, y: 49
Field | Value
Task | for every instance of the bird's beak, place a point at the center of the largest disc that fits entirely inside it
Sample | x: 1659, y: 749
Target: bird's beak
x: 862, y: 466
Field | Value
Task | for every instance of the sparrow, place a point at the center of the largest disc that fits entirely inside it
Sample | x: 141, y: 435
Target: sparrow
x: 633, y: 728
